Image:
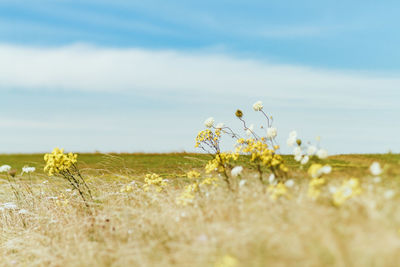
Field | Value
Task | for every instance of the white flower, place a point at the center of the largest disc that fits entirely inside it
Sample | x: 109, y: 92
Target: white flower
x: 298, y: 157
x: 304, y: 160
x: 236, y: 171
x: 289, y: 183
x: 272, y: 132
x: 389, y: 194
x: 326, y: 169
x: 23, y: 211
x: 322, y: 154
x: 220, y: 125
x: 297, y: 151
x: 250, y: 130
x: 375, y: 169
x: 271, y: 179
x: 293, y: 134
x: 5, y: 168
x: 291, y: 141
x: 242, y: 183
x: 311, y: 150
x: 28, y: 169
x: 209, y: 122
x: 258, y: 106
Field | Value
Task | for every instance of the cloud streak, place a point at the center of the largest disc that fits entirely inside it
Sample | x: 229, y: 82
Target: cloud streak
x: 91, y: 69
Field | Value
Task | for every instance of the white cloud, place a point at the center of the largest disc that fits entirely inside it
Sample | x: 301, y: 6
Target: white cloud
x: 90, y: 68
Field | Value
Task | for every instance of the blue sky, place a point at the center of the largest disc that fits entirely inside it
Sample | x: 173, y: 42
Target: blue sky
x: 143, y: 75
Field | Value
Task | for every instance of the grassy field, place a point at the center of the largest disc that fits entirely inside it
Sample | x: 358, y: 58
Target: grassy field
x: 50, y: 226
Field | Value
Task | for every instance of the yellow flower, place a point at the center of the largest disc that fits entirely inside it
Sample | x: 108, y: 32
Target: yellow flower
x: 348, y: 189
x: 154, y: 181
x: 58, y: 162
x: 226, y: 261
x: 193, y: 174
x: 277, y: 191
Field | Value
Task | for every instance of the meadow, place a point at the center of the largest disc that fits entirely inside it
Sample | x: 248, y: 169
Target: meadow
x: 252, y: 206
x: 243, y: 228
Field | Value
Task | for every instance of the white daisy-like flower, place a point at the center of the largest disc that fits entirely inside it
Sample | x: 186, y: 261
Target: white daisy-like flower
x: 271, y: 179
x: 209, y: 122
x: 389, y: 194
x: 304, y: 160
x: 236, y: 171
x: 298, y: 157
x: 289, y: 183
x: 297, y: 151
x: 220, y: 125
x: 322, y: 154
x: 291, y: 141
x: 23, y: 211
x: 258, y: 106
x: 250, y: 130
x: 327, y: 169
x: 272, y: 132
x: 375, y: 169
x: 5, y: 168
x: 311, y: 150
x: 28, y: 169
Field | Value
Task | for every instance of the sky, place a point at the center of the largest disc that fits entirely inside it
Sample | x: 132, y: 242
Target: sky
x: 142, y: 76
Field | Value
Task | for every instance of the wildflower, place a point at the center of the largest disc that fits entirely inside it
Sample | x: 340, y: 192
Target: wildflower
x: 258, y: 106
x: 209, y: 122
x: 155, y: 181
x: 311, y: 150
x: 272, y: 132
x: 292, y: 138
x: 5, y: 168
x: 289, y: 183
x: 348, y: 189
x: 236, y: 171
x: 375, y: 169
x: 304, y: 160
x: 322, y: 154
x: 58, y: 162
x: 317, y: 170
x: 193, y: 174
x: 271, y: 179
x: 239, y: 113
x: 220, y: 125
x: 298, y: 157
x: 297, y: 151
x: 23, y: 211
x: 187, y: 195
x: 277, y: 190
x: 314, y: 187
x: 126, y: 189
x: 298, y: 142
x: 28, y: 169
x: 242, y: 183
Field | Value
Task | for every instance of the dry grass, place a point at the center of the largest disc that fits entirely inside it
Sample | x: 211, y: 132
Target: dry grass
x: 150, y: 229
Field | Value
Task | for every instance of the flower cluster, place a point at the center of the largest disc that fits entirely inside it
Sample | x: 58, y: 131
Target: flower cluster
x: 314, y: 187
x: 261, y: 154
x: 347, y: 190
x: 58, y: 162
x: 221, y: 162
x: 154, y: 181
x: 277, y: 190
